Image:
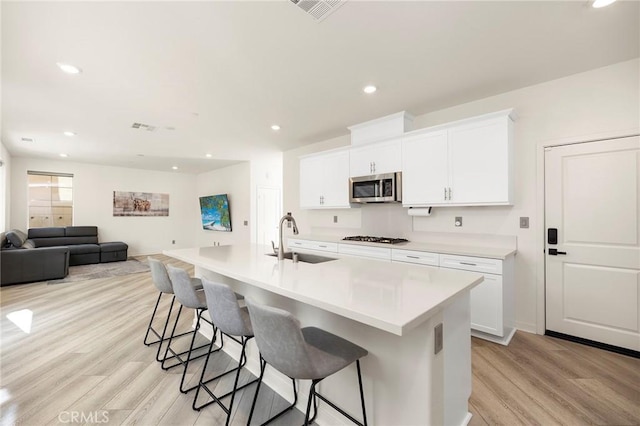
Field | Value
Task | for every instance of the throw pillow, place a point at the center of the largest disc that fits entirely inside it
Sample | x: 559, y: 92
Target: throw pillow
x: 16, y: 237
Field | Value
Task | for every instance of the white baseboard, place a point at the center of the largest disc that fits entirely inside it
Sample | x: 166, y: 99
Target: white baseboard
x: 495, y: 339
x: 526, y: 326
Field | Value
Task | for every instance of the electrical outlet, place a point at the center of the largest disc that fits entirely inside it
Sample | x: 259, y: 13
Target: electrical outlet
x: 458, y: 221
x: 524, y: 222
x: 173, y: 241
x: 246, y: 223
x: 335, y: 219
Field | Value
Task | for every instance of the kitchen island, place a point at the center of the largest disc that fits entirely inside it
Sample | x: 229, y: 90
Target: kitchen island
x: 392, y: 310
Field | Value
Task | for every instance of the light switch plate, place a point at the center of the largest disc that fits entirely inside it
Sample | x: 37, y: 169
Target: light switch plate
x: 438, y: 338
x: 524, y: 222
x: 458, y: 221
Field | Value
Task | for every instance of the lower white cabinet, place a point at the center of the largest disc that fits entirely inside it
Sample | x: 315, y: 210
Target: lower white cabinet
x: 365, y: 251
x: 491, y: 300
x: 414, y: 256
x: 294, y: 243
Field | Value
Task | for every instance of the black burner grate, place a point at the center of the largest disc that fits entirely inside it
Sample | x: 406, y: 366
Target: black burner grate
x: 382, y: 240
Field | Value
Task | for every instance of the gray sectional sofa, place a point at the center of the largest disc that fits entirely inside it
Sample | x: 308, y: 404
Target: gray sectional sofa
x: 46, y: 253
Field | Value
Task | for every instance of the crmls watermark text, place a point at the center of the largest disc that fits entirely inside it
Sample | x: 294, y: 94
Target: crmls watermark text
x: 84, y: 417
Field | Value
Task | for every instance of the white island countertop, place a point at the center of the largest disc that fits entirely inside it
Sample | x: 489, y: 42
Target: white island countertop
x: 388, y: 296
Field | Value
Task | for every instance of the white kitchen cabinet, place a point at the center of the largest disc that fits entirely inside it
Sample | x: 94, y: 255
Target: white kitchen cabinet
x: 376, y: 158
x: 425, y: 168
x: 414, y: 256
x: 365, y: 251
x: 492, y: 300
x: 298, y: 244
x: 479, y: 162
x: 464, y: 163
x: 324, y: 180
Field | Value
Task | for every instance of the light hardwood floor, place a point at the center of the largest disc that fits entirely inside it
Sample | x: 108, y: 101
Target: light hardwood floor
x: 84, y: 355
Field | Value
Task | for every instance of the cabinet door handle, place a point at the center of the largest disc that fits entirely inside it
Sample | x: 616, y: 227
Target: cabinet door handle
x: 445, y: 193
x: 374, y: 167
x: 468, y: 264
x: 297, y: 243
x: 413, y: 257
x: 449, y: 194
x: 322, y: 246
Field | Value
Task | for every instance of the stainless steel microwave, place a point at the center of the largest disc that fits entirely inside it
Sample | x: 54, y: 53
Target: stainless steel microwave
x: 383, y: 188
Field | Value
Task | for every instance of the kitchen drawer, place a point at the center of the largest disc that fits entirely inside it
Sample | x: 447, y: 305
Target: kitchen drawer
x: 468, y: 263
x: 312, y: 245
x: 412, y: 256
x: 365, y: 251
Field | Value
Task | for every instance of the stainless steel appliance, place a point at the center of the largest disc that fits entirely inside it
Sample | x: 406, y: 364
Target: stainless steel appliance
x: 382, y: 240
x: 383, y: 188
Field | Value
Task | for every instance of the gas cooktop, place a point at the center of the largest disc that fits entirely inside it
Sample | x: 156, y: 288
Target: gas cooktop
x: 383, y: 240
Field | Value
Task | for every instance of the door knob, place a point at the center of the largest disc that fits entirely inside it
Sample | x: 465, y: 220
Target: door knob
x: 555, y: 252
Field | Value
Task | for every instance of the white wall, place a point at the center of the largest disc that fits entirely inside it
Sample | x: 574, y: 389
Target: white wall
x: 93, y: 187
x: 5, y: 188
x: 234, y: 181
x: 578, y: 107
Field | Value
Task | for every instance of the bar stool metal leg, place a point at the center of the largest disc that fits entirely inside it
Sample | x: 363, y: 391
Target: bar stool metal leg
x: 218, y: 399
x: 263, y: 365
x: 150, y: 328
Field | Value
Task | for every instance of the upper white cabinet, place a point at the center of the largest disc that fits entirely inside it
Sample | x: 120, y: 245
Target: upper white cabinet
x: 376, y: 158
x: 324, y: 180
x: 464, y: 163
x: 425, y: 168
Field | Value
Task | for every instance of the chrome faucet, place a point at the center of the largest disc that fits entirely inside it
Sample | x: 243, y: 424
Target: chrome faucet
x: 289, y: 219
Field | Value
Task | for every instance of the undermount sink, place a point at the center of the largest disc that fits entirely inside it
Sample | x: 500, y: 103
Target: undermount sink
x: 304, y: 257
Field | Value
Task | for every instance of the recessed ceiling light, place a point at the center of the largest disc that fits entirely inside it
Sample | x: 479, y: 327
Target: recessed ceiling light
x: 68, y: 68
x: 275, y: 127
x: 63, y: 155
x: 69, y: 134
x: 602, y: 3
x: 175, y: 167
x: 369, y: 89
x: 208, y: 155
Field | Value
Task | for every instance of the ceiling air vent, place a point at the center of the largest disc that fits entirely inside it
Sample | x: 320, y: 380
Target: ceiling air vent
x: 318, y: 9
x: 141, y: 126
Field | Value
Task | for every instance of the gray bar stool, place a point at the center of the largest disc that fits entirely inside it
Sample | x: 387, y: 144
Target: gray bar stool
x: 306, y: 353
x: 234, y: 322
x: 189, y: 297
x: 160, y: 279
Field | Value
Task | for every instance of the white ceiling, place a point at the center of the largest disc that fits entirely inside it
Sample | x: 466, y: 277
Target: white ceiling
x: 219, y: 74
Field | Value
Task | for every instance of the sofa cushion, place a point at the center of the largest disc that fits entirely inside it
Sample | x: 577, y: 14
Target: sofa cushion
x: 81, y: 231
x: 113, y: 246
x: 84, y: 249
x: 52, y: 231
x: 28, y: 244
x: 16, y: 237
x: 50, y: 242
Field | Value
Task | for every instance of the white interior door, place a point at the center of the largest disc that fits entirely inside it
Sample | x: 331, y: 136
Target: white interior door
x: 268, y: 214
x: 593, y: 280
